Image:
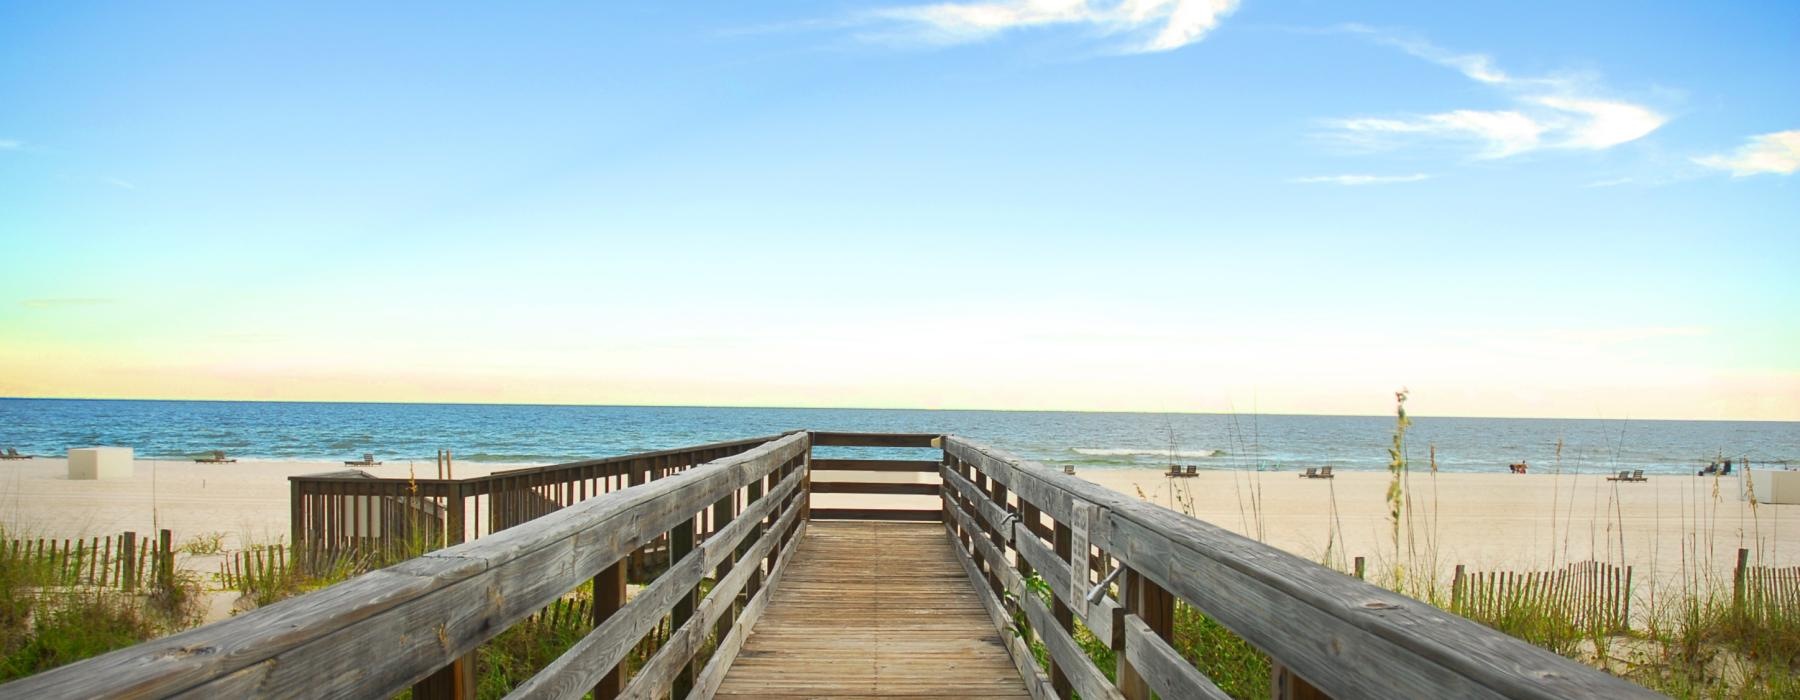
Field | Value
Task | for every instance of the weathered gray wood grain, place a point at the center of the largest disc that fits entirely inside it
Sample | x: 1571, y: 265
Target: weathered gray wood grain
x: 1035, y: 681
x: 416, y: 616
x: 1351, y: 638
x: 579, y: 668
x: 1164, y: 670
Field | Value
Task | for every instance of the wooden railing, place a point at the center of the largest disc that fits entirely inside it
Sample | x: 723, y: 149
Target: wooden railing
x: 1119, y: 565
x: 418, y: 623
x: 351, y: 510
x: 866, y: 476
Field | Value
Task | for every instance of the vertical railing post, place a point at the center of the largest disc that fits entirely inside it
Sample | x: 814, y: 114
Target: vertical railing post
x: 609, y: 597
x: 681, y: 543
x: 722, y: 514
x: 754, y: 494
x: 1065, y: 618
x: 454, y: 516
x: 1737, y: 579
x: 1156, y: 607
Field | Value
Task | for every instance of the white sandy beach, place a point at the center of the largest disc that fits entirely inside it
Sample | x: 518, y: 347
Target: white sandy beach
x: 1485, y: 521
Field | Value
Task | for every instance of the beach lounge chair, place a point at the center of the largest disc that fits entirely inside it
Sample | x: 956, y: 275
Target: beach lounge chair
x: 1311, y: 473
x: 1623, y: 476
x: 368, y: 460
x: 218, y: 457
x: 1174, y: 470
x: 13, y: 453
x: 1068, y: 469
x: 1326, y: 473
x: 1192, y: 470
x: 1638, y: 475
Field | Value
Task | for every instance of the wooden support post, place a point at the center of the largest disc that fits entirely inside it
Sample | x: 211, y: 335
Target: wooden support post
x: 722, y: 514
x: 453, y: 682
x: 165, y: 560
x: 454, y: 516
x: 755, y: 493
x: 1156, y: 607
x: 1359, y: 567
x: 128, y: 552
x: 681, y: 542
x: 1737, y: 578
x: 1065, y: 618
x: 638, y: 473
x: 1284, y: 684
x: 609, y: 597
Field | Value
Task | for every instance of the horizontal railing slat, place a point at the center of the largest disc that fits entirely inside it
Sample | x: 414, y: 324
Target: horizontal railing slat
x: 836, y: 439
x: 1162, y: 668
x: 877, y: 514
x: 875, y: 465
x: 874, y: 487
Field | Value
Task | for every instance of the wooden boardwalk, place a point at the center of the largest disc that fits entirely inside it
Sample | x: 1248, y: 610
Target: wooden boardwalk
x: 872, y: 608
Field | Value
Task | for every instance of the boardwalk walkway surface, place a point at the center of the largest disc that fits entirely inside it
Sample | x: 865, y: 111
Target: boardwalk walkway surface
x: 870, y: 609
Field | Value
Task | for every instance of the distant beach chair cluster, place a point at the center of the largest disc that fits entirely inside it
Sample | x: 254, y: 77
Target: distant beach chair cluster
x: 217, y: 457
x: 1629, y: 475
x: 1318, y: 473
x: 13, y: 453
x: 1175, y: 471
x: 368, y: 460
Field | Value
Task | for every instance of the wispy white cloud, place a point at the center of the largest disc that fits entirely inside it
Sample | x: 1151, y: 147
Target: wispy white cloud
x: 1157, y: 25
x: 1354, y: 180
x: 1777, y: 153
x: 11, y: 144
x: 120, y: 183
x: 1556, y: 111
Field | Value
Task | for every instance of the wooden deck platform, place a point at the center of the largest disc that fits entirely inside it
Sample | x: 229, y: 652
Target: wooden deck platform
x: 870, y: 609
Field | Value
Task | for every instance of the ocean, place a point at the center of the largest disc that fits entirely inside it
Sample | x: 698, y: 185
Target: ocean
x: 526, y: 434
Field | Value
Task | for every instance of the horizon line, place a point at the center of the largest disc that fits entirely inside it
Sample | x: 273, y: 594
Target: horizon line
x: 1409, y: 414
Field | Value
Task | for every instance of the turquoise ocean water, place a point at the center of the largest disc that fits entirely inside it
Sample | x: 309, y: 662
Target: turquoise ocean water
x: 544, y: 434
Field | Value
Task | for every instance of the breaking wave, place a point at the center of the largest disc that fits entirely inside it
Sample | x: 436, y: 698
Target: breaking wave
x: 1140, y: 452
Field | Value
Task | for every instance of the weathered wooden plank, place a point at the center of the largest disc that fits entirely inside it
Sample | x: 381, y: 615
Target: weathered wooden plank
x: 1351, y: 638
x: 707, y: 683
x: 589, y: 659
x: 875, y: 514
x: 1086, y: 677
x: 835, y: 439
x: 1167, y: 673
x: 669, y: 662
x: 874, y: 465
x: 875, y: 609
x: 873, y: 487
x: 1037, y: 683
x: 416, y: 616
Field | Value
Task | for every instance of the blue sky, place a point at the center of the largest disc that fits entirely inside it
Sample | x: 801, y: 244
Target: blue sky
x: 1527, y: 209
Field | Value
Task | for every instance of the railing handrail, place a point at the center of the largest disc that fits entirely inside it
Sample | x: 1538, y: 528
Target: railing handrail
x: 329, y: 477
x: 378, y: 633
x: 1345, y: 636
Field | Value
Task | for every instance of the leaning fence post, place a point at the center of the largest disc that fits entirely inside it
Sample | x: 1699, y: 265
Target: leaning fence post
x: 165, y: 561
x: 1456, y: 588
x: 1359, y: 567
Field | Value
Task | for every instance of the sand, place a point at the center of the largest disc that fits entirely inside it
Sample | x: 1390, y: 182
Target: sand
x: 1667, y: 525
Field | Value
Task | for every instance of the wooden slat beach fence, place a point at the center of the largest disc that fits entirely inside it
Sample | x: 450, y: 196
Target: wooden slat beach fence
x: 122, y: 561
x: 1325, y: 632
x: 353, y: 511
x: 1590, y: 595
x: 1114, y: 565
x: 418, y: 623
x: 1765, y: 592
